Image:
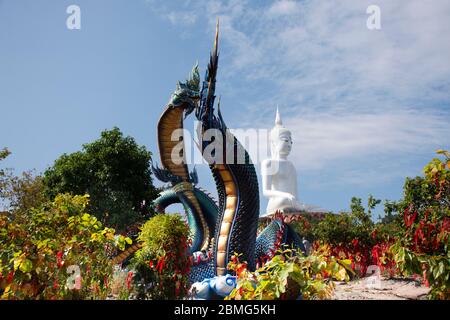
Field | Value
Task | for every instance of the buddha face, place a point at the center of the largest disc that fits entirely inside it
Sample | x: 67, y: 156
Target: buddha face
x: 283, y: 144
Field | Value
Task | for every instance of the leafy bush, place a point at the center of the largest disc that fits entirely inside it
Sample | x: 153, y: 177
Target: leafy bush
x: 306, y: 226
x: 289, y: 275
x: 423, y: 245
x: 343, y: 228
x: 162, y: 265
x: 353, y: 236
x: 37, y: 254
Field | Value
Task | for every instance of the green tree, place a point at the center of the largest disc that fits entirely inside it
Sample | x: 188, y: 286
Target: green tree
x: 18, y: 194
x: 3, y: 154
x: 391, y: 212
x: 114, y: 171
x: 3, y: 172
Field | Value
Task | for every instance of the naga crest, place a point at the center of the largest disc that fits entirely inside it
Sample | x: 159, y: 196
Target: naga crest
x: 187, y: 93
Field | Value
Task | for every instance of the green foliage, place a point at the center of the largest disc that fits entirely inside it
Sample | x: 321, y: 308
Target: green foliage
x: 434, y: 268
x: 114, y: 171
x: 163, y: 230
x: 412, y: 238
x: 423, y: 243
x: 22, y: 193
x: 162, y: 265
x: 430, y: 190
x: 335, y: 229
x: 19, y: 194
x: 289, y: 275
x: 306, y: 226
x: 36, y: 253
x: 390, y: 213
x: 345, y: 227
x: 3, y: 154
x: 354, y: 236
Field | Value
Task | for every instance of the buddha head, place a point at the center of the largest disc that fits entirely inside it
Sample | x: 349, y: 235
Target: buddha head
x: 280, y: 139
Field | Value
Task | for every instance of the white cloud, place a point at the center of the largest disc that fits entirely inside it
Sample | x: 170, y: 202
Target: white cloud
x: 347, y: 92
x: 322, y: 139
x: 283, y: 7
x: 181, y: 18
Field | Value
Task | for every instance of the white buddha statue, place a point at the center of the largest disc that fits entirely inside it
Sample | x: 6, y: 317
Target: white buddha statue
x: 279, y: 177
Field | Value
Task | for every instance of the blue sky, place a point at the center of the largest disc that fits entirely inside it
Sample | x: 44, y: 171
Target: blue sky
x: 366, y: 107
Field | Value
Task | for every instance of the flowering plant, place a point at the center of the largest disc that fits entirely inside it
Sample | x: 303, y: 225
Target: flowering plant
x: 289, y: 275
x: 60, y: 252
x: 162, y: 265
x: 423, y: 246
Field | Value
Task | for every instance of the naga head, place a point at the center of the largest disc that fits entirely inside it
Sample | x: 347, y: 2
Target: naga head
x: 187, y: 94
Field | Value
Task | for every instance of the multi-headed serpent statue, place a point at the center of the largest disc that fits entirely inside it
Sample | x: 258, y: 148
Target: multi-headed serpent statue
x: 218, y: 231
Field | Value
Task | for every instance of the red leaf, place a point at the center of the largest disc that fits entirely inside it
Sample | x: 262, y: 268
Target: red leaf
x: 10, y: 277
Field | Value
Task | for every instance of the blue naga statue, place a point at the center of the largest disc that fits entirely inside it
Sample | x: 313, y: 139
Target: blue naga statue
x: 229, y: 227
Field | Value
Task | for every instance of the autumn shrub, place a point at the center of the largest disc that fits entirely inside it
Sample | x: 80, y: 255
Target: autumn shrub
x: 354, y: 236
x: 60, y: 252
x: 162, y: 265
x: 306, y: 226
x: 289, y: 275
x: 423, y: 246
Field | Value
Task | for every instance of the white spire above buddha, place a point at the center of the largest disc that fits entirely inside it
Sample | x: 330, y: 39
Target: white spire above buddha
x: 278, y: 119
